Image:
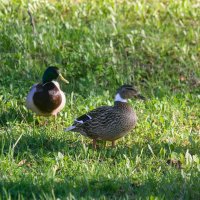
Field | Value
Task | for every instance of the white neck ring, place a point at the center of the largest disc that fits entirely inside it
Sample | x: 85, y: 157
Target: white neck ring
x: 119, y: 98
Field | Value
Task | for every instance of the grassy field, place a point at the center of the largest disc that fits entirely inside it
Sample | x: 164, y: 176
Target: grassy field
x: 100, y: 45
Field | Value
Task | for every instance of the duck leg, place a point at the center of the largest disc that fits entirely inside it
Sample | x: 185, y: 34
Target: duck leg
x: 55, y: 117
x: 105, y: 144
x: 40, y: 121
x: 94, y: 144
x: 113, y: 143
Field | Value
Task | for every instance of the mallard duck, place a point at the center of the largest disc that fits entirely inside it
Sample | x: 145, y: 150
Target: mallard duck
x: 46, y: 98
x: 109, y: 123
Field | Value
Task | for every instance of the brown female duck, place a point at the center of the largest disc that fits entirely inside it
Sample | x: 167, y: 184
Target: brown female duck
x: 109, y: 123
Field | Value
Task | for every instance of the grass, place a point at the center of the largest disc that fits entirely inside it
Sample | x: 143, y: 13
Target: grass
x: 100, y: 45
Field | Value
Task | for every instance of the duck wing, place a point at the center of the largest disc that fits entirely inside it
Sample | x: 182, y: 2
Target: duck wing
x: 94, y: 122
x: 93, y: 115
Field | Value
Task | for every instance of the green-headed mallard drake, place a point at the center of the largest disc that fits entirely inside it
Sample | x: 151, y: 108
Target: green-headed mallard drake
x: 46, y: 98
x: 109, y: 123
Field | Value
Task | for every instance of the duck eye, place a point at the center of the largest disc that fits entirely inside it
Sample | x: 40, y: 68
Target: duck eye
x: 131, y: 89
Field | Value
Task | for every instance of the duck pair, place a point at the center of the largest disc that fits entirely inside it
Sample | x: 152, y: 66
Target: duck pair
x: 107, y: 123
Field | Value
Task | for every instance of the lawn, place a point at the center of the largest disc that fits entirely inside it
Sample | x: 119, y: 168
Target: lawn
x: 100, y: 45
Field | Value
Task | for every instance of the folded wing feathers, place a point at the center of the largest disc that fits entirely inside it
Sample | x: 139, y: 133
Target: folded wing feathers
x: 83, y: 118
x: 69, y: 128
x: 79, y: 120
x: 97, y: 114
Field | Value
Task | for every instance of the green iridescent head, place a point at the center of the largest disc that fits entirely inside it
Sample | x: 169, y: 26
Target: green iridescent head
x: 52, y: 73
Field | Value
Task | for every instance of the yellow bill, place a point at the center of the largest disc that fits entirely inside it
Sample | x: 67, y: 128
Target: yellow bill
x: 63, y: 79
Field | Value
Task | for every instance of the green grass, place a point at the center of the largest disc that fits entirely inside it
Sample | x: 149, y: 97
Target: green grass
x: 100, y: 45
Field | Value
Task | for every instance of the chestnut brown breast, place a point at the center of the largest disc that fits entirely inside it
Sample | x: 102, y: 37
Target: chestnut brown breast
x: 47, y: 97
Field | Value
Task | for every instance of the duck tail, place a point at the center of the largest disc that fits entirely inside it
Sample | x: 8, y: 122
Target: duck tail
x: 69, y: 128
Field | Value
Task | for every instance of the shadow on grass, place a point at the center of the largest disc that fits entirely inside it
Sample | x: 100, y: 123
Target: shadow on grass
x: 38, y: 144
x: 43, y: 144
x: 69, y: 186
x: 170, y: 186
x: 14, y: 116
x: 9, y: 116
x: 167, y: 186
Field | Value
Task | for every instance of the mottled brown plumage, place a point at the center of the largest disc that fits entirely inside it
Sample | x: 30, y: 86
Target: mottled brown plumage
x: 109, y: 122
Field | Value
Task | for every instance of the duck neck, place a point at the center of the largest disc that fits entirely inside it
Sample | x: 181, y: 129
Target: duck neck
x: 119, y: 100
x: 122, y: 104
